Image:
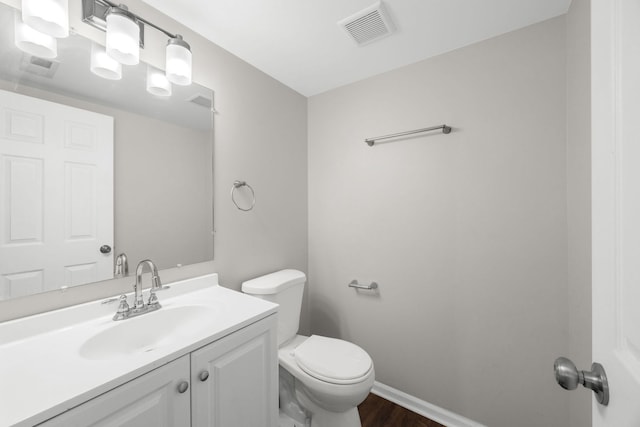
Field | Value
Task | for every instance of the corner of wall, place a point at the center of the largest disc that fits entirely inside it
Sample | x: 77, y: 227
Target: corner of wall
x: 579, y: 199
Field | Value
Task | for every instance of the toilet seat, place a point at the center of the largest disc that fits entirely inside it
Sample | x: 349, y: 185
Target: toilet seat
x: 332, y: 360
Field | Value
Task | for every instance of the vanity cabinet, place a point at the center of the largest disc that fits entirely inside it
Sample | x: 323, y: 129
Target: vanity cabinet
x: 152, y: 400
x: 231, y: 382
x: 235, y: 379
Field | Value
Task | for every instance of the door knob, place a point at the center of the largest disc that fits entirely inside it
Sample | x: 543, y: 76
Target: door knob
x: 105, y: 249
x: 568, y: 376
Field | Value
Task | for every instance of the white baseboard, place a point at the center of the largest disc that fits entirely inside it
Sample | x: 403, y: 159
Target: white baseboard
x: 426, y: 409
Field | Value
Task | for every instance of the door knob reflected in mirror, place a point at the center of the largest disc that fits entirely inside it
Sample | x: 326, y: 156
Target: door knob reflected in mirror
x: 568, y: 376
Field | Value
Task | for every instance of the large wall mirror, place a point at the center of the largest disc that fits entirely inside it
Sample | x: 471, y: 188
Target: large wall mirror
x: 91, y: 168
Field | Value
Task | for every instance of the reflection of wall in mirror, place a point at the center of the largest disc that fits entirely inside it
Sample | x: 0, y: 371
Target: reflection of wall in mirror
x: 163, y: 186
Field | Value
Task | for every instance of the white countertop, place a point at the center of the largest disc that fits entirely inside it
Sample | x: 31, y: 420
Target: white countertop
x: 43, y: 374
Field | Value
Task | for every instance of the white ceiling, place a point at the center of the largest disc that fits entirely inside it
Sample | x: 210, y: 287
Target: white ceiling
x: 299, y: 43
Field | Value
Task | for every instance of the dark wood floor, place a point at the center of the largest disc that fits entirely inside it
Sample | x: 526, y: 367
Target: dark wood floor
x: 378, y: 412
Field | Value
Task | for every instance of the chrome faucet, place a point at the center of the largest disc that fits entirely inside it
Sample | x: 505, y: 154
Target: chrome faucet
x: 155, y: 285
x: 139, y: 306
x: 121, y: 268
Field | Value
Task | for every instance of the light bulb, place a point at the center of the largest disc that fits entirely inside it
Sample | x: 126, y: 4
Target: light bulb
x: 157, y: 83
x: 103, y: 65
x: 50, y: 17
x: 123, y: 36
x: 33, y: 41
x: 178, y: 61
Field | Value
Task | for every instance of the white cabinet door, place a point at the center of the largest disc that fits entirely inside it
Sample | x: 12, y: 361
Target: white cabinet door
x: 56, y: 195
x: 235, y: 379
x: 152, y: 400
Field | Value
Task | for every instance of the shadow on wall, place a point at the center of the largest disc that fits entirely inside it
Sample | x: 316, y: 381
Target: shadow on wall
x: 324, y: 314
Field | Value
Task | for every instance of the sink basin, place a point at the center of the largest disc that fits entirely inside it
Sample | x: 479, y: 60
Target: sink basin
x: 148, y: 332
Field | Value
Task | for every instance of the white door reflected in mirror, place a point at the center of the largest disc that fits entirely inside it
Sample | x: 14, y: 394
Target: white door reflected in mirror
x: 56, y: 195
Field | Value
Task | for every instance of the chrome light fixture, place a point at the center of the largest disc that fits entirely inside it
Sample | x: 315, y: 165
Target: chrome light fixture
x: 103, y: 65
x: 178, y: 61
x: 50, y: 17
x: 32, y: 41
x: 123, y: 35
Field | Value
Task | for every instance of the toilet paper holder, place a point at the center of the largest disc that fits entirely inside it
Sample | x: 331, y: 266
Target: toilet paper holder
x: 354, y: 284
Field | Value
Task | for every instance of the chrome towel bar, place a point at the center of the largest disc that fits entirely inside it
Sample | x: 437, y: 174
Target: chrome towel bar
x: 354, y: 284
x: 445, y: 129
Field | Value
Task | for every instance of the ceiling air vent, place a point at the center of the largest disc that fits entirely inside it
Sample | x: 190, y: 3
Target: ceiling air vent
x: 368, y: 25
x: 38, y: 66
x: 202, y: 101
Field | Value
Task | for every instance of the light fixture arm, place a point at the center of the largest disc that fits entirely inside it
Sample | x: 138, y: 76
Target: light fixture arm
x: 151, y: 24
x: 91, y: 12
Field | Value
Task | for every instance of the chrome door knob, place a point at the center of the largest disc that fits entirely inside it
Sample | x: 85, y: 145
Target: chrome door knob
x: 568, y: 376
x: 566, y: 373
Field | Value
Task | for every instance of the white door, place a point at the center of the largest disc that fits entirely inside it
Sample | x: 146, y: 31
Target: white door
x: 56, y: 195
x: 616, y: 206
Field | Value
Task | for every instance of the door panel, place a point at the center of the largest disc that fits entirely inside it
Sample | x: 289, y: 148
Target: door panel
x: 56, y: 194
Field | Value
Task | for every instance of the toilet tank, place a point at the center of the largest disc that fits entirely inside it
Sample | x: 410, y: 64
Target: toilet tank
x: 284, y: 287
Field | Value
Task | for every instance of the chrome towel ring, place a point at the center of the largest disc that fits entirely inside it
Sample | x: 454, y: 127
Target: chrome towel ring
x: 238, y: 184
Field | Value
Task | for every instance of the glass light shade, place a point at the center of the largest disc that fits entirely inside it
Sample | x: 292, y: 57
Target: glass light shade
x: 178, y: 65
x: 103, y: 65
x: 157, y: 82
x: 47, y: 16
x: 33, y: 41
x: 123, y: 37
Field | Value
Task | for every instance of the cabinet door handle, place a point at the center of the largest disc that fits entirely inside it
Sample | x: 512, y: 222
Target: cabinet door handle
x: 204, y: 375
x: 183, y: 386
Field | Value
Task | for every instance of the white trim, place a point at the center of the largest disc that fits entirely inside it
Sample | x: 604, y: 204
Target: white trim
x: 429, y: 410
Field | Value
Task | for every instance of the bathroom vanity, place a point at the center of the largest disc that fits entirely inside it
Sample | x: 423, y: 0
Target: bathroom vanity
x: 208, y: 357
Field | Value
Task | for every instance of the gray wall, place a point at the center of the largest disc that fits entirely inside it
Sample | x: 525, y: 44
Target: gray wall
x: 163, y: 187
x: 579, y: 200
x: 465, y: 233
x: 260, y: 136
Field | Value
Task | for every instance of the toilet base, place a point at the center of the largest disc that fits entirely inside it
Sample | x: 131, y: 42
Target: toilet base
x: 287, y: 421
x: 350, y: 418
x: 320, y: 417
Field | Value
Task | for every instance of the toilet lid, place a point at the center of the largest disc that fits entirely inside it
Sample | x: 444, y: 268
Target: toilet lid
x: 332, y: 360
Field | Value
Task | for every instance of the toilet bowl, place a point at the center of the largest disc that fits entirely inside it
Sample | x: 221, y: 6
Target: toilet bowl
x: 332, y: 377
x: 322, y: 379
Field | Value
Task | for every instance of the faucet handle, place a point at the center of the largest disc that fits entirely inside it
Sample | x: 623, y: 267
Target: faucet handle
x: 153, y: 300
x: 123, y: 309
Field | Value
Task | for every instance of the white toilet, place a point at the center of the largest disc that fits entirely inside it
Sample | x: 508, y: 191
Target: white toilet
x: 321, y: 378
